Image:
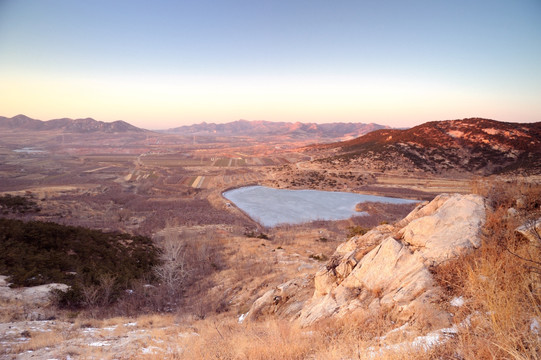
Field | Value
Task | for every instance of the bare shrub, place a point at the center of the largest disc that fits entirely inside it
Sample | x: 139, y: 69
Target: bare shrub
x: 172, y: 272
x: 97, y: 297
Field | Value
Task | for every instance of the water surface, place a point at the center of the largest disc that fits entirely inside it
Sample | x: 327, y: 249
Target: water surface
x: 29, y: 150
x: 271, y: 207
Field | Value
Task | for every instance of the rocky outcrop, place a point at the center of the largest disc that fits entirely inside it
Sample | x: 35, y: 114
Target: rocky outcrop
x: 35, y: 295
x: 388, y: 267
x: 447, y: 227
x: 285, y: 300
x: 35, y: 299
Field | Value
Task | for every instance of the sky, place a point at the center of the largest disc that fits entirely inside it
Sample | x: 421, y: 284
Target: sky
x: 161, y: 64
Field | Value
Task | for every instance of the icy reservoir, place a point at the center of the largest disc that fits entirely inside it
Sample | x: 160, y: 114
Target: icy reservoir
x: 271, y: 207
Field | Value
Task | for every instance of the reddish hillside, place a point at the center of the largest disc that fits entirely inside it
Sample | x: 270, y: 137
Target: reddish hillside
x: 474, y: 145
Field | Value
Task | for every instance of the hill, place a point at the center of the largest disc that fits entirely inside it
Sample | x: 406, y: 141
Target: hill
x: 296, y: 130
x: 478, y: 146
x: 88, y: 125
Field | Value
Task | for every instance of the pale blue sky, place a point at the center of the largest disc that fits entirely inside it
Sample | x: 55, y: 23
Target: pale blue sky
x: 160, y: 64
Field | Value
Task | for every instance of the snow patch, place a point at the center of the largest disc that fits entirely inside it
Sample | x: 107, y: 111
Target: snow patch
x: 242, y: 317
x: 150, y: 350
x: 457, y: 301
x: 534, y: 326
x: 100, y: 343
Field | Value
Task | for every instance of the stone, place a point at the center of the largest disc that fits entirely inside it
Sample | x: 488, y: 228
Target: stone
x: 286, y: 299
x: 451, y: 228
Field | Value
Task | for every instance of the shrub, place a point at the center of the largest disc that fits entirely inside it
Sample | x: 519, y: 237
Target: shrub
x: 319, y: 257
x: 253, y: 234
x: 356, y: 230
x: 17, y: 204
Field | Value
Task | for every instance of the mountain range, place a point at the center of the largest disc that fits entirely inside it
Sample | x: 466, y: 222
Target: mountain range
x: 88, y: 125
x: 289, y: 131
x: 296, y: 130
x: 474, y: 145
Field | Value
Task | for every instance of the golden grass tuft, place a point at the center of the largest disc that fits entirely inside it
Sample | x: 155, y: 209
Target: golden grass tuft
x: 39, y: 340
x: 262, y: 340
x: 155, y: 321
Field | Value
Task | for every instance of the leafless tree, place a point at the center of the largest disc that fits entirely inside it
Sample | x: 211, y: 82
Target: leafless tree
x: 173, y: 269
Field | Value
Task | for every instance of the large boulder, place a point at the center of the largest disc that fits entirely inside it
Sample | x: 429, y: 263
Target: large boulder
x: 451, y: 227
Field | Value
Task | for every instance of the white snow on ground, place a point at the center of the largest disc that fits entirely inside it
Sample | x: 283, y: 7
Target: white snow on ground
x: 457, y: 301
x: 100, y: 343
x: 534, y: 326
x: 150, y: 350
x: 424, y: 342
x: 242, y: 317
x: 271, y: 207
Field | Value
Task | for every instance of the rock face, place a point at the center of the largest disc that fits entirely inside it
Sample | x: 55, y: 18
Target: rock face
x: 448, y: 227
x: 388, y: 267
x: 285, y: 300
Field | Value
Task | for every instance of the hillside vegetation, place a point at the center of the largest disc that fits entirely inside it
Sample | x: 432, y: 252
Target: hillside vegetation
x: 17, y: 205
x: 35, y: 253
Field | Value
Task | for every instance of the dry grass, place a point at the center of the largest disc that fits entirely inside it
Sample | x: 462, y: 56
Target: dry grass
x: 155, y: 321
x: 39, y: 340
x: 502, y: 288
x: 262, y: 340
x: 11, y: 310
x: 357, y: 337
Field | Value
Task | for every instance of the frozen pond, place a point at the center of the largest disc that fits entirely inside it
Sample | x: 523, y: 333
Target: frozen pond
x: 271, y: 207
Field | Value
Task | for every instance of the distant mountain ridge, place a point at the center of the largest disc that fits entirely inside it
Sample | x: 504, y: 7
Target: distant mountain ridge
x: 87, y: 125
x: 269, y: 128
x: 475, y: 145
